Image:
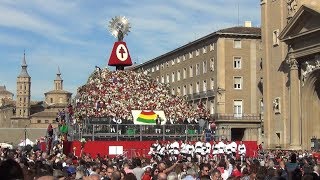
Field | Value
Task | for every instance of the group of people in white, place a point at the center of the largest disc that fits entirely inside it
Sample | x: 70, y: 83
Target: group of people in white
x: 199, y: 151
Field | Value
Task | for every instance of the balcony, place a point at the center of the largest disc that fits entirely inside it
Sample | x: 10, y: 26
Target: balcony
x: 200, y: 95
x: 237, y: 118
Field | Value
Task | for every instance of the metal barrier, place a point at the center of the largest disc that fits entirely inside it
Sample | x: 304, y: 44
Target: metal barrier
x: 136, y: 132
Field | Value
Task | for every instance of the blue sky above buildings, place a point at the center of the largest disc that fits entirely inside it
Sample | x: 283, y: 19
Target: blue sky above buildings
x: 74, y: 36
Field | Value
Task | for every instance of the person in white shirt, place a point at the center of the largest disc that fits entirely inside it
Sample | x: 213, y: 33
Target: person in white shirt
x: 175, y: 150
x: 198, y: 150
x: 184, y: 148
x: 242, y: 151
x: 215, y: 152
x: 154, y: 149
x: 221, y: 149
x: 190, y: 152
x: 208, y: 150
x: 233, y: 148
x: 162, y: 153
x: 228, y: 149
x: 168, y: 148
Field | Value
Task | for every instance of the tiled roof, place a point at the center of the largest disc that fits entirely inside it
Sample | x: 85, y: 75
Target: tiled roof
x: 58, y: 92
x: 241, y: 30
x: 45, y: 114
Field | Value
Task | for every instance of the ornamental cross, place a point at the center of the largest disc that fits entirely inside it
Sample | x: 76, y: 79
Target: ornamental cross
x: 122, y: 51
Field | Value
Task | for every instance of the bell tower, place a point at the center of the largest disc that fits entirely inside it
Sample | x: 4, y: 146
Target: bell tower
x: 58, y: 82
x: 23, y: 91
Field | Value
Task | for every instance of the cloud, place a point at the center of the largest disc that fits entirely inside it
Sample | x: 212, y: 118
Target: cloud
x: 73, y: 34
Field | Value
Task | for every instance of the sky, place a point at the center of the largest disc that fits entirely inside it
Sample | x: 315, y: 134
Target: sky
x: 74, y: 36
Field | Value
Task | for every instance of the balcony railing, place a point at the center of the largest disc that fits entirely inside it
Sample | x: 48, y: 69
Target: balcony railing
x: 237, y: 116
x: 200, y: 95
x: 137, y: 132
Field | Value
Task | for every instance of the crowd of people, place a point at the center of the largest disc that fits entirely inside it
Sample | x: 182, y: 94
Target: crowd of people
x: 116, y: 93
x: 32, y: 163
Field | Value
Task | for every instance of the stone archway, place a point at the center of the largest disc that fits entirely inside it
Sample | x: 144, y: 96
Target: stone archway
x: 310, y: 110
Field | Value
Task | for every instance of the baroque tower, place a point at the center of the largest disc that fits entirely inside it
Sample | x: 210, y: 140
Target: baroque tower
x: 23, y: 91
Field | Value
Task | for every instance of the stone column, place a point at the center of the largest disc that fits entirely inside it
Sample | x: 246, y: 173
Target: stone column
x: 295, y: 126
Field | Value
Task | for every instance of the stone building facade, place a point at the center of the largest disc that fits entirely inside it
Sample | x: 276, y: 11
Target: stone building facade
x: 221, y: 70
x: 291, y: 71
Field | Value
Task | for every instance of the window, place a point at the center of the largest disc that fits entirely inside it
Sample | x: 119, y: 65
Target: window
x: 172, y: 62
x: 20, y: 100
x: 237, y: 44
x: 275, y: 37
x: 197, y: 52
x: 190, y: 89
x: 51, y: 100
x: 184, y: 57
x: 172, y: 77
x: 179, y: 91
x: 38, y: 121
x: 157, y: 79
x: 24, y: 100
x: 178, y: 59
x: 168, y: 78
x: 204, y: 85
x: 212, y: 64
x: 197, y: 87
x: 204, y: 67
x: 157, y: 67
x: 162, y: 66
x: 184, y: 73
x: 237, y: 108
x: 197, y: 69
x: 162, y: 79
x: 211, y: 83
x: 21, y: 87
x: 237, y: 82
x: 167, y: 64
x: 277, y: 105
x: 178, y: 75
x: 152, y: 69
x: 184, y: 91
x: 191, y: 71
x: 46, y: 121
x: 237, y: 62
x: 173, y: 91
x: 190, y: 55
x: 211, y: 107
x: 261, y: 106
x: 212, y: 47
x: 204, y: 49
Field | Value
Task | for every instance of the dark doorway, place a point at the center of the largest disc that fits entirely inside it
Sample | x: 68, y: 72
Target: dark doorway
x: 237, y: 134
